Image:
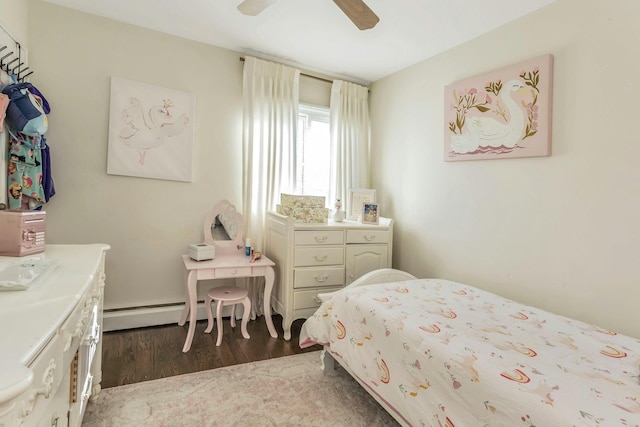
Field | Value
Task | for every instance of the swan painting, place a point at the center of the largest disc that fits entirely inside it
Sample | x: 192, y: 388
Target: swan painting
x: 504, y: 113
x: 488, y: 132
x: 151, y: 131
x: 143, y: 132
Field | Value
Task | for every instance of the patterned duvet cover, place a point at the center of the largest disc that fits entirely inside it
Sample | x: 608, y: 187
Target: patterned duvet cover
x: 440, y: 353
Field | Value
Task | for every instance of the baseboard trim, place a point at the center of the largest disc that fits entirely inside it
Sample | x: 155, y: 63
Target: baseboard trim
x: 130, y: 318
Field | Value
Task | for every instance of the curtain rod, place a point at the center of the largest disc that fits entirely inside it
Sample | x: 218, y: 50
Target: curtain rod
x: 304, y: 74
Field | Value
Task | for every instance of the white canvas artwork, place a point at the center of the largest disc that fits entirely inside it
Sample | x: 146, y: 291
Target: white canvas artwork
x: 151, y: 131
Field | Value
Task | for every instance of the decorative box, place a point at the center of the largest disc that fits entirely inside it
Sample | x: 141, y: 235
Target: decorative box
x: 202, y: 252
x: 22, y: 233
x: 304, y: 215
x: 298, y: 201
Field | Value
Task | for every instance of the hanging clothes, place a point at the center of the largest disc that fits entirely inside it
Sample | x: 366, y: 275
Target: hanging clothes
x: 24, y: 172
x: 29, y: 181
x: 5, y: 79
x: 4, y: 103
x: 47, y: 177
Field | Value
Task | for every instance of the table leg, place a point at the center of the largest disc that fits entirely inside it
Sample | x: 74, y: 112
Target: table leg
x: 269, y: 278
x: 193, y: 308
x: 185, y: 310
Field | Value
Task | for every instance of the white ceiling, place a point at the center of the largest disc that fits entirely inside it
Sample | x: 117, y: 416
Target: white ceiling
x: 315, y: 35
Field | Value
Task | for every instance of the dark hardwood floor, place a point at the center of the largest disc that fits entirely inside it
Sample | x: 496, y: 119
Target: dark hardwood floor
x: 144, y: 354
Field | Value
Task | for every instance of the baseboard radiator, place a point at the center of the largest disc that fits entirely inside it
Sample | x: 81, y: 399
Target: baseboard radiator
x: 139, y: 317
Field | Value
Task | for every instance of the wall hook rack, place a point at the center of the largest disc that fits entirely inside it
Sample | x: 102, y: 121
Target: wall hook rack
x: 13, y: 52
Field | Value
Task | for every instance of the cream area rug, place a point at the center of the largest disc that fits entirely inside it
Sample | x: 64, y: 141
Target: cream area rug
x: 287, y: 391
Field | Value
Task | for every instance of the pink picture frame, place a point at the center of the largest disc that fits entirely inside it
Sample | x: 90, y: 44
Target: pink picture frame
x: 502, y: 114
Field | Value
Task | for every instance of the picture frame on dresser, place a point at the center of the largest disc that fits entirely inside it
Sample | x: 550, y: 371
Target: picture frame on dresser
x: 370, y: 213
x: 357, y: 196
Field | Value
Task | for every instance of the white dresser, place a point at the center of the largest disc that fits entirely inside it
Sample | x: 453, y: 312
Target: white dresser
x: 50, y: 349
x: 317, y: 258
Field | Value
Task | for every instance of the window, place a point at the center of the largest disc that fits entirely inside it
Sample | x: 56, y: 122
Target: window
x: 313, y: 156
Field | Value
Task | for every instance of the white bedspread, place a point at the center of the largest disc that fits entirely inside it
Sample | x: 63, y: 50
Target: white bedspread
x: 445, y: 354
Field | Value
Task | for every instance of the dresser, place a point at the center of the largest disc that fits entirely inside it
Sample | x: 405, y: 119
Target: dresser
x: 50, y: 338
x: 317, y: 258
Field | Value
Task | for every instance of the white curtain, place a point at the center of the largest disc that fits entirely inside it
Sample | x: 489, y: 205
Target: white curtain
x: 350, y: 139
x: 270, y: 95
x: 270, y: 119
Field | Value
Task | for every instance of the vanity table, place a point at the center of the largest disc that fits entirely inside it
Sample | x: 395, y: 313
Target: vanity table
x: 224, y: 266
x: 50, y: 340
x: 223, y: 228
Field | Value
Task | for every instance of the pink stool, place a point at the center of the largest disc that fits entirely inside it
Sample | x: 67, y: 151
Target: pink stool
x: 223, y: 296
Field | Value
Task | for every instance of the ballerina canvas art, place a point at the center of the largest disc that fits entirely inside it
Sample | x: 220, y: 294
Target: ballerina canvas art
x: 150, y: 131
x: 502, y: 114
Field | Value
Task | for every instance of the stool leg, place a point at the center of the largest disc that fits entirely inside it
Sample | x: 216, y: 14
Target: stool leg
x: 219, y: 320
x: 233, y: 315
x: 207, y: 305
x: 245, y: 317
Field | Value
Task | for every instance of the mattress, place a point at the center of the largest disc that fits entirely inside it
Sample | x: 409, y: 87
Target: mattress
x: 441, y: 353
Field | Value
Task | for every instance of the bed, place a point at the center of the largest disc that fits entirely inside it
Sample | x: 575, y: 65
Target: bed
x: 439, y: 353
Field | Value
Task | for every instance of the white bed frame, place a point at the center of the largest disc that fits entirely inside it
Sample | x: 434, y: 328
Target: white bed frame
x: 328, y: 360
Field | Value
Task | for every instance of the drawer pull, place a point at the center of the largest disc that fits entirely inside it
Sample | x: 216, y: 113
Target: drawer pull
x: 94, y: 337
x: 321, y: 279
x: 317, y: 299
x: 370, y: 237
x: 86, y: 393
x: 320, y: 258
x: 320, y: 239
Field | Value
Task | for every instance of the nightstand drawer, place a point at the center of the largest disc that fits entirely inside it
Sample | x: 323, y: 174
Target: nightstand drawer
x: 318, y: 255
x: 319, y: 237
x: 309, y: 298
x: 367, y: 236
x: 318, y: 277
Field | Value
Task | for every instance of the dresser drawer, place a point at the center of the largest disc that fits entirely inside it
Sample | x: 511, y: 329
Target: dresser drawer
x: 309, y: 298
x: 318, y: 277
x: 367, y: 236
x: 310, y: 256
x: 319, y: 237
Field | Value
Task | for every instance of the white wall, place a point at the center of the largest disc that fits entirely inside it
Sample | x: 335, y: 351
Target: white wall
x: 557, y: 232
x: 13, y: 18
x: 148, y: 223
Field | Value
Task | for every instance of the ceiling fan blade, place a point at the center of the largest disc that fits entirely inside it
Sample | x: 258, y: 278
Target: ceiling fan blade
x: 359, y: 13
x: 254, y: 7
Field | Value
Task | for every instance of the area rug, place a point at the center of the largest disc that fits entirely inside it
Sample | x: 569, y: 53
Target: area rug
x: 286, y: 391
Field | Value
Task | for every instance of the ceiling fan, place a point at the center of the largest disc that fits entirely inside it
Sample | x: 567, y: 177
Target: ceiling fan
x: 356, y: 10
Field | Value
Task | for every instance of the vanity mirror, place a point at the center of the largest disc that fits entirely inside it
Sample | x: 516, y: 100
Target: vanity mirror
x: 223, y: 228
